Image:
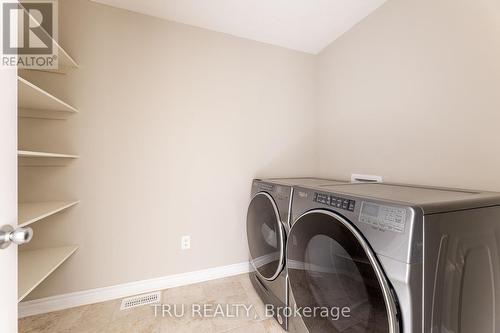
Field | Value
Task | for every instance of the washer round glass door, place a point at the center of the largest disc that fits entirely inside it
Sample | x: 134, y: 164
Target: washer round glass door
x: 334, y: 272
x: 266, y: 237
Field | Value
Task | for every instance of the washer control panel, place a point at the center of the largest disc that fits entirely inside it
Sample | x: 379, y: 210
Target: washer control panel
x: 383, y: 217
x: 335, y: 201
x: 266, y: 187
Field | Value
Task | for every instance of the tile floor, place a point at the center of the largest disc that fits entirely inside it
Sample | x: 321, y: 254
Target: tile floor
x: 107, y: 318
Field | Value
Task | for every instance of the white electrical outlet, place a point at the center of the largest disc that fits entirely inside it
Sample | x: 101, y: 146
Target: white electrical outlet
x: 185, y: 242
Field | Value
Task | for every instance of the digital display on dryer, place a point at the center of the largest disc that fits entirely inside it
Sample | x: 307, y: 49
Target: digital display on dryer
x: 370, y: 209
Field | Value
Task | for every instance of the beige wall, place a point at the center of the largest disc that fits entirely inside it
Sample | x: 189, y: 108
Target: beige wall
x: 175, y: 122
x: 413, y: 93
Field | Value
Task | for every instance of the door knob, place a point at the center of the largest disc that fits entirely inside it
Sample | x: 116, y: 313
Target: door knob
x: 17, y: 236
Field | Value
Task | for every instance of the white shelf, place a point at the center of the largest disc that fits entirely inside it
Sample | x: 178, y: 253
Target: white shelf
x: 27, y: 153
x: 33, y: 98
x: 36, y: 265
x: 31, y: 212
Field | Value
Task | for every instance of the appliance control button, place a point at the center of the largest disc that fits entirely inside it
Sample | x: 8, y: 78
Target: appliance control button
x: 345, y: 204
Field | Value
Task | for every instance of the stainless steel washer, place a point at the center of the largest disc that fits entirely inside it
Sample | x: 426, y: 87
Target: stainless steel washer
x: 267, y: 230
x: 401, y: 258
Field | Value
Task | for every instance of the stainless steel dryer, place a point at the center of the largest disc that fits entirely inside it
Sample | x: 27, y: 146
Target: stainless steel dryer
x: 267, y: 228
x: 397, y: 258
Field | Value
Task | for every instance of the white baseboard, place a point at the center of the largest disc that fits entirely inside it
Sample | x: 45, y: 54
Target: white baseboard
x: 66, y: 301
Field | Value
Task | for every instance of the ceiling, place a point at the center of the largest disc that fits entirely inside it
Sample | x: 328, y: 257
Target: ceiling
x: 303, y: 25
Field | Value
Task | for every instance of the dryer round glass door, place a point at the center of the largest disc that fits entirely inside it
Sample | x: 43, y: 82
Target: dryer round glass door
x: 333, y: 272
x: 266, y: 237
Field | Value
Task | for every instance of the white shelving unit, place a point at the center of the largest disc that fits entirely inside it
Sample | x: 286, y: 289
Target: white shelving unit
x: 31, y: 212
x: 36, y: 265
x: 35, y: 102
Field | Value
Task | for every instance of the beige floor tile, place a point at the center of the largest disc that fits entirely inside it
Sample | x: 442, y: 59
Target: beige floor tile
x: 224, y: 325
x: 265, y: 326
x: 137, y: 325
x: 234, y: 317
x: 186, y: 295
x: 45, y: 323
x: 244, y: 279
x: 107, y: 318
x: 259, y: 306
x: 201, y: 326
x: 228, y: 287
x: 236, y: 305
x: 91, y: 318
x: 257, y: 327
x: 69, y: 317
x: 253, y: 297
x: 272, y: 326
x: 137, y: 320
x: 186, y: 324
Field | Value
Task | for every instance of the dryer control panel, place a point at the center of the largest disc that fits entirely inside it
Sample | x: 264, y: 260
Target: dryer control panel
x: 384, y: 217
x: 334, y: 201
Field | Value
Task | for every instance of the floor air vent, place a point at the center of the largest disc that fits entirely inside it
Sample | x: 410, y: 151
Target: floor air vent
x: 135, y: 301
